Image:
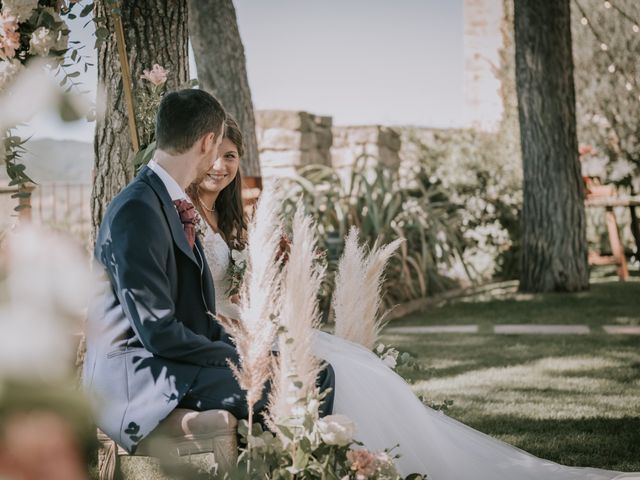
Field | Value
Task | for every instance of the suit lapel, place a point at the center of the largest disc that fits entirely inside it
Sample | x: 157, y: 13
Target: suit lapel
x: 207, y: 280
x: 170, y: 212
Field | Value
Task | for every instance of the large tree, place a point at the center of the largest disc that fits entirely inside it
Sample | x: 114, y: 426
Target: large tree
x: 554, y: 246
x: 222, y: 71
x: 155, y: 31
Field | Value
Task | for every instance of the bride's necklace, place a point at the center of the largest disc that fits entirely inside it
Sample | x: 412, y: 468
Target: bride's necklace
x: 212, y: 210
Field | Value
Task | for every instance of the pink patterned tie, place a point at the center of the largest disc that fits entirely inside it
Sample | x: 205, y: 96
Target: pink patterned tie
x: 188, y: 217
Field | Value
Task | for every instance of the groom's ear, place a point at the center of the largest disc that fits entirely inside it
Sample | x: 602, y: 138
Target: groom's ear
x: 207, y: 141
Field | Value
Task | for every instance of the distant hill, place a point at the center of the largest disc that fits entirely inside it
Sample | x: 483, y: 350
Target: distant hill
x: 64, y: 161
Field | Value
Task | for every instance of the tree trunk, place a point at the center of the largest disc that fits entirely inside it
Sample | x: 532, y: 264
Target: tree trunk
x: 554, y: 246
x: 222, y: 68
x: 155, y: 32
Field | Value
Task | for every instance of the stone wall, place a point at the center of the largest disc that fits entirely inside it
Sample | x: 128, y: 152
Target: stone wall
x: 289, y: 140
x: 372, y: 145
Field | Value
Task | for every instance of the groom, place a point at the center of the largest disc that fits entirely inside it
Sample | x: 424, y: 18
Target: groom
x: 152, y: 341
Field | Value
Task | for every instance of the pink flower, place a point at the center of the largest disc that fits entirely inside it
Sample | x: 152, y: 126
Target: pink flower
x: 586, y: 150
x: 363, y: 462
x: 9, y: 36
x: 157, y: 75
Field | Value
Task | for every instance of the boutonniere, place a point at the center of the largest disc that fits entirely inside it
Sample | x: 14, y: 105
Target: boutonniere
x: 236, y: 270
x: 201, y: 227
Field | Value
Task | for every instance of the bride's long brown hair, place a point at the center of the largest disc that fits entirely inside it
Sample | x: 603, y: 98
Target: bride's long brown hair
x: 232, y: 221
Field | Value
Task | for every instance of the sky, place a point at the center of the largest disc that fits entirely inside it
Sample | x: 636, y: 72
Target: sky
x: 359, y: 61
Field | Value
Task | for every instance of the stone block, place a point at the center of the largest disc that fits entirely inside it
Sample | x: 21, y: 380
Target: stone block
x: 275, y: 138
x: 281, y: 158
x: 278, y: 172
x: 291, y: 120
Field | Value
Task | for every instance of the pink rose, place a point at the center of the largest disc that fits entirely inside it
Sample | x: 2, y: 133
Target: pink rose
x: 157, y: 75
x: 363, y: 463
x: 9, y: 36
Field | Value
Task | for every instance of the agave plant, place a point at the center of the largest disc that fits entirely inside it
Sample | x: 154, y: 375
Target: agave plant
x: 384, y: 207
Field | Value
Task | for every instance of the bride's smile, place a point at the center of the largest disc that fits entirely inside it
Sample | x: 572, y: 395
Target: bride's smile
x: 224, y: 170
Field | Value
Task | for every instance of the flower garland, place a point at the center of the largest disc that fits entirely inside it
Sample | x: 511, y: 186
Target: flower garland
x: 36, y: 29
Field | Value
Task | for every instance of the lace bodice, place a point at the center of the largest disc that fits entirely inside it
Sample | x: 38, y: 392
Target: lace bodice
x: 217, y: 253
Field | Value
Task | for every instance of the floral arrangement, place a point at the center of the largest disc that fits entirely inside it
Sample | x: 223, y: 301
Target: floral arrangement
x: 36, y: 29
x: 148, y: 98
x: 319, y: 448
x: 299, y: 444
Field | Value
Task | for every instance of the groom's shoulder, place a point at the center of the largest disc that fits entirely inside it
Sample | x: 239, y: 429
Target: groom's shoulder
x: 137, y: 194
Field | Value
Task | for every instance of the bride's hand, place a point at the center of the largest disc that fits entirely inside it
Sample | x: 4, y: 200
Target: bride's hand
x: 235, y: 299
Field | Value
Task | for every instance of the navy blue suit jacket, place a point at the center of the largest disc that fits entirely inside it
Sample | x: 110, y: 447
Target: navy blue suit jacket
x: 150, y: 328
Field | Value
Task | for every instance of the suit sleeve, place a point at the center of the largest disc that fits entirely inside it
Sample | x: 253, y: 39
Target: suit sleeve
x: 135, y: 257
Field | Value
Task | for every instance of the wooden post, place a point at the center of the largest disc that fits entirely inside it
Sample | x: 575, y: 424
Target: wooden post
x: 126, y: 81
x: 617, y: 249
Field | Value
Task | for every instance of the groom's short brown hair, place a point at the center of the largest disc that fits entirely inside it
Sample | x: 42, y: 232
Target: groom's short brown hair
x: 184, y: 117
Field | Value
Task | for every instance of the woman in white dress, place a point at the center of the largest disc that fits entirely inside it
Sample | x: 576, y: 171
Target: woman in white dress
x: 381, y: 404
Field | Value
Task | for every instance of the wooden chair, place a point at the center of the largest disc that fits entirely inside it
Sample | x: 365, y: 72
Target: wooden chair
x: 207, y: 439
x: 605, y: 196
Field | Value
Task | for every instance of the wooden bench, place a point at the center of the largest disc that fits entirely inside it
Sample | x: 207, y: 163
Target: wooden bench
x: 207, y: 439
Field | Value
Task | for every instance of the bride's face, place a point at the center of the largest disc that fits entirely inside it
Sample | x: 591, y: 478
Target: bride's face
x: 224, y: 170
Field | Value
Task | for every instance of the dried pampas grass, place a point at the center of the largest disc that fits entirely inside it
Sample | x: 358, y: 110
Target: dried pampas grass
x: 254, y: 333
x: 357, y: 299
x: 297, y: 368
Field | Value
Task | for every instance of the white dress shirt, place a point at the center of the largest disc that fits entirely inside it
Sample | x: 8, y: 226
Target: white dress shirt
x: 175, y: 191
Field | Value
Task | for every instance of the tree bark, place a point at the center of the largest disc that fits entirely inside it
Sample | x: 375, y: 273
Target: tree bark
x: 222, y: 71
x: 155, y: 32
x: 554, y: 246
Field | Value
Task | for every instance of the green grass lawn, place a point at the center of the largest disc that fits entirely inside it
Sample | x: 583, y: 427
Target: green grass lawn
x: 610, y: 303
x: 573, y: 399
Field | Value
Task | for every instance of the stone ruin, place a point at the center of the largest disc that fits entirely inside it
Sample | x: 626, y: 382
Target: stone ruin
x: 291, y: 140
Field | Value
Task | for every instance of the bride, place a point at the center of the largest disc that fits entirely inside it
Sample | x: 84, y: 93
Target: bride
x: 381, y: 404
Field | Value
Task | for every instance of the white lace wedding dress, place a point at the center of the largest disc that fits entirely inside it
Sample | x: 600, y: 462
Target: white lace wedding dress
x: 386, y: 412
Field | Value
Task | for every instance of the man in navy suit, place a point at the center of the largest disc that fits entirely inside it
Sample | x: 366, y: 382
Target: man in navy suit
x: 152, y: 340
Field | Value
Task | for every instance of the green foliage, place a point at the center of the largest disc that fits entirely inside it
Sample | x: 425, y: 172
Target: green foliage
x: 383, y: 207
x: 14, y: 148
x: 483, y: 183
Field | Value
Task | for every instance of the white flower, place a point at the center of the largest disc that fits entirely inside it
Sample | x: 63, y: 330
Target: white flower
x: 42, y: 40
x: 22, y: 9
x: 8, y: 70
x: 620, y: 169
x: 336, y: 429
x: 238, y: 256
x: 390, y: 361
